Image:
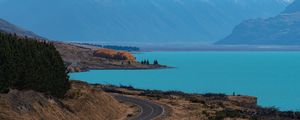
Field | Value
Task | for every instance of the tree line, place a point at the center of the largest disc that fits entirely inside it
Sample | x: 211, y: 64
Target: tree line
x: 146, y: 62
x: 29, y: 64
x: 114, y: 47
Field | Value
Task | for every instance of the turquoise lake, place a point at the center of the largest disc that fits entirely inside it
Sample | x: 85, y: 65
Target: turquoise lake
x: 273, y: 77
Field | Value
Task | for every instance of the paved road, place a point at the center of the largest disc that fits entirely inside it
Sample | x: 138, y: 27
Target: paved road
x: 149, y: 110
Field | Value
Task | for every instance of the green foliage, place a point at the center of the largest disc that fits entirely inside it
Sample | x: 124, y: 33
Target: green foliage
x: 114, y: 47
x: 155, y: 62
x: 145, y: 62
x: 28, y: 64
x: 125, y: 48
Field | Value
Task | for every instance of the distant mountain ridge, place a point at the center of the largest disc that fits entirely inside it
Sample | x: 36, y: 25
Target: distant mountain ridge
x: 283, y: 29
x: 295, y: 7
x: 11, y: 28
x: 142, y: 21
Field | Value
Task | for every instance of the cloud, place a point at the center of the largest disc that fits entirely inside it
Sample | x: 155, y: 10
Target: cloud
x: 288, y: 1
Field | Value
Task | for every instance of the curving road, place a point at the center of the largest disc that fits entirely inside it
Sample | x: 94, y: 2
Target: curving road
x: 149, y: 110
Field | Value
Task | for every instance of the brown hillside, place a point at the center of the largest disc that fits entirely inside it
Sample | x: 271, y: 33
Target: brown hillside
x: 81, y: 103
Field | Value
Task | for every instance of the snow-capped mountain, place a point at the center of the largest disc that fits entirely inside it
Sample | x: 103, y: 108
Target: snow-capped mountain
x: 151, y: 21
x: 283, y: 29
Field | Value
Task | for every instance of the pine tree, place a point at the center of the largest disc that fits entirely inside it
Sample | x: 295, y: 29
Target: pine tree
x: 27, y: 63
x: 155, y: 62
x: 142, y: 62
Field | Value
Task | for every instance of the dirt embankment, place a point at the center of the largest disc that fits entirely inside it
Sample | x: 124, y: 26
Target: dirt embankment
x: 82, y: 102
x: 79, y: 58
x: 183, y: 106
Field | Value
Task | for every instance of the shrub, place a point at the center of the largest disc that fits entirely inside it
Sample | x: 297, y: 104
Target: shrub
x: 220, y: 115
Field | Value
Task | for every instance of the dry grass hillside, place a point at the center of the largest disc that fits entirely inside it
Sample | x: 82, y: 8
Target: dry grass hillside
x: 82, y: 102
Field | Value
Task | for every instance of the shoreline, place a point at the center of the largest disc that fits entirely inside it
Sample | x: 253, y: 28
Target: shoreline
x: 143, y: 89
x: 111, y: 89
x: 133, y: 68
x: 82, y: 59
x: 183, y: 104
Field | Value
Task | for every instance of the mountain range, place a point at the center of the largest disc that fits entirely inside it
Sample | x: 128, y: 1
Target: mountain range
x: 142, y: 21
x: 283, y: 29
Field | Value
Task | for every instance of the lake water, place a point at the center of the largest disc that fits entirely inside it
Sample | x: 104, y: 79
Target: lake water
x: 274, y: 77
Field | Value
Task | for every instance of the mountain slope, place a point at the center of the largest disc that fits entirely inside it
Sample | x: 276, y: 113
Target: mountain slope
x: 10, y: 28
x: 155, y: 21
x: 283, y: 29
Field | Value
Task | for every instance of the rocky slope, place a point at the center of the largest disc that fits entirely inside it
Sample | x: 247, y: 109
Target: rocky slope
x: 82, y: 102
x: 283, y: 29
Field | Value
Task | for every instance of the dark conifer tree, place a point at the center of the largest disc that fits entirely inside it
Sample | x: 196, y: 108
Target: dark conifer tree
x: 27, y: 63
x: 155, y: 62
